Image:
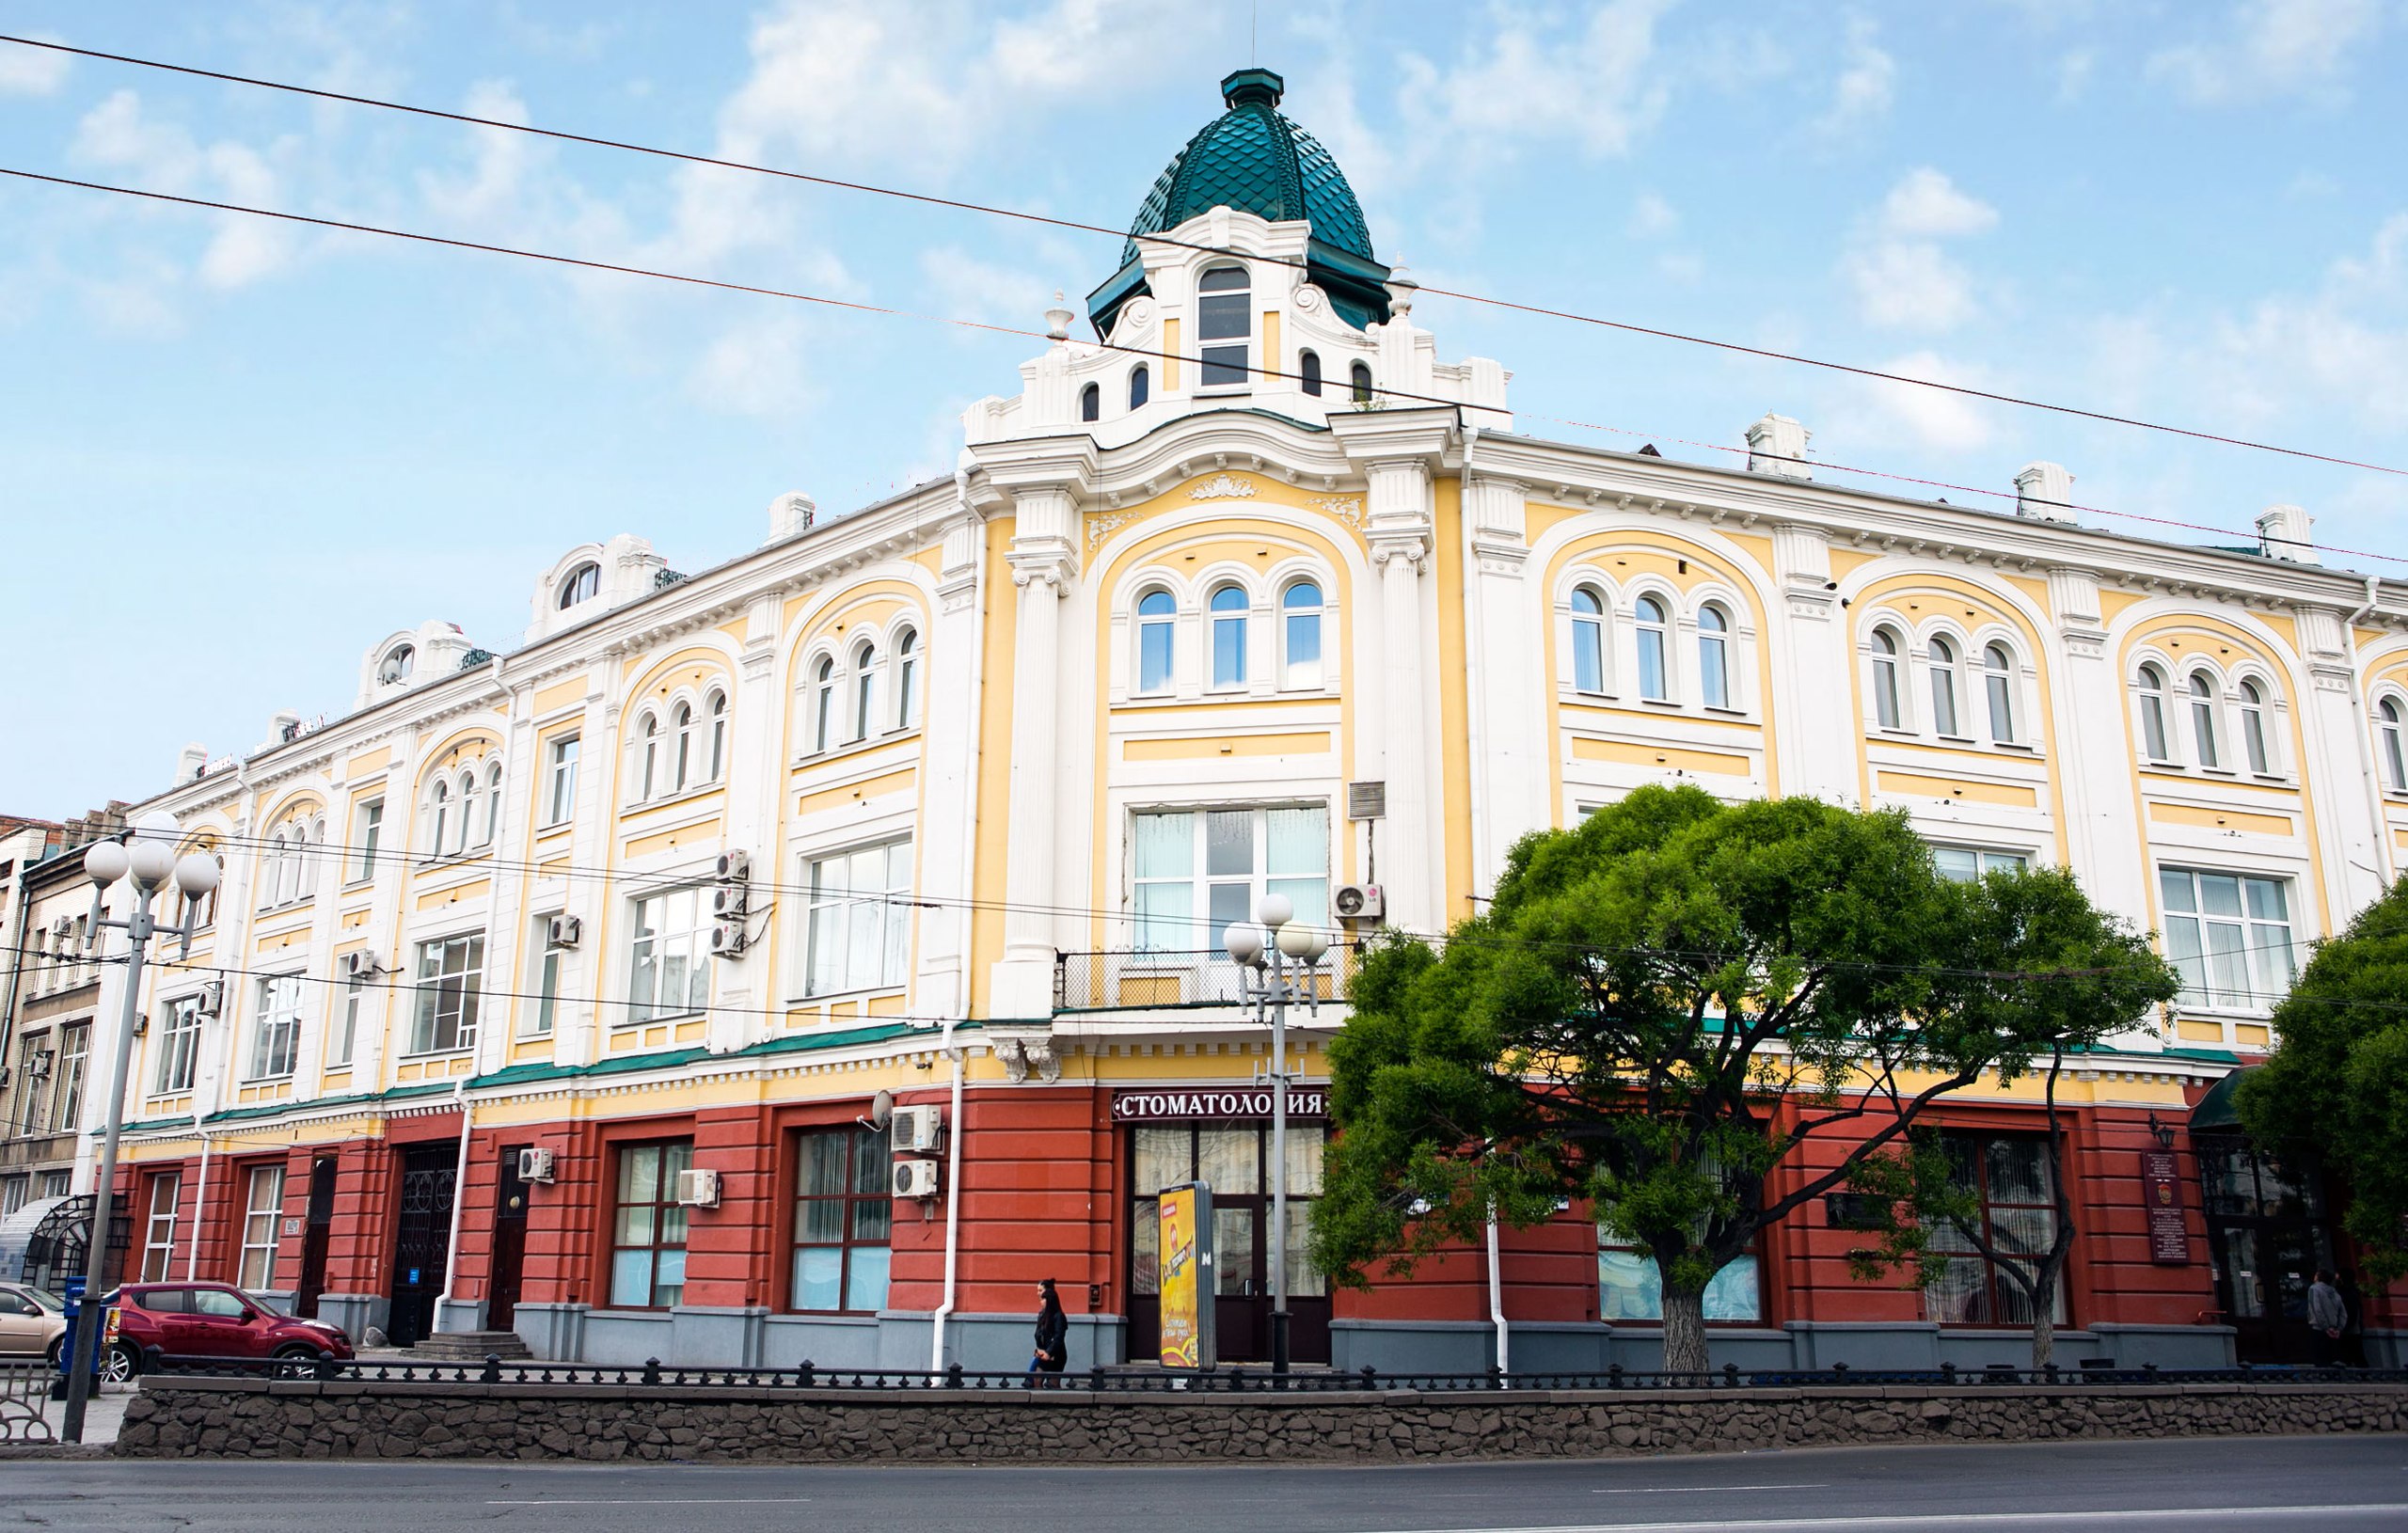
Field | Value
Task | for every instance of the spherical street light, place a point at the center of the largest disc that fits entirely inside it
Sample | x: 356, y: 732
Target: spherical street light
x: 105, y: 862
x: 1243, y: 941
x: 1304, y: 943
x: 1275, y: 911
x: 150, y: 861
x: 196, y: 874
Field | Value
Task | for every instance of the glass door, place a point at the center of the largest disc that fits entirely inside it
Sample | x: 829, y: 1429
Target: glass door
x: 1234, y: 1159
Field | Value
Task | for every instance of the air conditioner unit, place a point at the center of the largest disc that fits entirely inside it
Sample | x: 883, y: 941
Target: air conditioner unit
x: 734, y: 867
x: 915, y: 1179
x: 535, y: 1166
x: 916, y: 1128
x: 357, y: 964
x: 211, y: 1000
x: 1359, y: 902
x: 727, y: 939
x: 698, y: 1188
x: 39, y: 1066
x: 564, y: 931
x: 729, y: 900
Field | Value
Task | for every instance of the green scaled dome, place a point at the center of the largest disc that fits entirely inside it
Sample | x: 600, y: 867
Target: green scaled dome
x: 1255, y: 160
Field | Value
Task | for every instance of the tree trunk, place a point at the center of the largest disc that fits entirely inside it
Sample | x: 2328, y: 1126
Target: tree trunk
x: 1683, y: 1329
x: 2044, y: 1322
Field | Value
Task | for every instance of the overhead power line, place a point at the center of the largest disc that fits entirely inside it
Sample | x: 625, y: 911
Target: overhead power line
x: 1373, y: 389
x: 1077, y: 226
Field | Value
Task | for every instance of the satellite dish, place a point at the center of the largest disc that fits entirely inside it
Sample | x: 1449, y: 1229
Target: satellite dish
x: 882, y: 1109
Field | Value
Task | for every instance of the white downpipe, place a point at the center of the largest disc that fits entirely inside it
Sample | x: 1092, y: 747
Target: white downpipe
x: 199, y: 1203
x: 1496, y: 1298
x: 459, y: 1196
x: 951, y: 1211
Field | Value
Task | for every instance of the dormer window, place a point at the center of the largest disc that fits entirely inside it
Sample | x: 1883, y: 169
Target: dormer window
x: 396, y: 665
x: 1141, y: 384
x: 1091, y: 402
x: 584, y: 583
x: 1359, y: 380
x: 1224, y: 323
x: 1309, y: 372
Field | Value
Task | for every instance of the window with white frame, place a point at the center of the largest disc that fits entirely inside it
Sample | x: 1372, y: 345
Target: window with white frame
x: 823, y: 703
x: 2253, y: 729
x: 1228, y: 609
x: 648, y: 763
x: 1588, y: 641
x: 366, y: 832
x: 2157, y: 742
x: 1300, y: 609
x: 582, y: 583
x: 1713, y: 655
x: 2203, y: 720
x: 681, y: 745
x: 163, y: 1190
x: 1140, y: 386
x: 74, y: 1061
x: 670, y: 953
x: 490, y: 830
x: 1998, y: 679
x: 1885, y: 678
x: 865, y: 673
x: 906, y: 678
x: 1223, y: 324
x: 179, y: 1045
x: 1968, y: 864
x: 1212, y: 863
x: 856, y: 931
x: 472, y: 810
x: 2395, y: 753
x: 537, y: 1022
x: 343, y: 1037
x: 2229, y: 936
x: 262, y: 1207
x: 715, y: 736
x: 1157, y: 623
x: 1943, y: 664
x: 276, y: 1033
x: 450, y: 985
x: 560, y: 780
x: 1654, y: 673
x: 439, y: 812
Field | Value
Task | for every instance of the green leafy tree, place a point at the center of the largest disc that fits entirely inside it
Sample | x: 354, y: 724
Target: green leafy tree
x: 1661, y: 1006
x: 2336, y: 1085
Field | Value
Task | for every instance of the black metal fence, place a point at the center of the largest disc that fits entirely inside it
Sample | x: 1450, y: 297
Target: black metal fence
x: 1122, y: 979
x: 1228, y: 1381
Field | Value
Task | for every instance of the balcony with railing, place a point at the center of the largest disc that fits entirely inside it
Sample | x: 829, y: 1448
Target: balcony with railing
x: 1149, y: 980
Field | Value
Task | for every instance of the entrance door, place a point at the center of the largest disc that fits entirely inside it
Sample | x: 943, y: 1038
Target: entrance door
x: 1234, y: 1159
x: 2267, y: 1236
x: 509, y: 1245
x: 422, y: 1243
x: 314, y: 1236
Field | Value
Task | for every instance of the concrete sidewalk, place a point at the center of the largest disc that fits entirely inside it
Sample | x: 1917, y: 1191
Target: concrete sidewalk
x: 103, y: 1414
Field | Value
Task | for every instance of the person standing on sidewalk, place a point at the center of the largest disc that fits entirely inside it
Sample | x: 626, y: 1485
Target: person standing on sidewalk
x: 1053, y: 1335
x: 2326, y: 1318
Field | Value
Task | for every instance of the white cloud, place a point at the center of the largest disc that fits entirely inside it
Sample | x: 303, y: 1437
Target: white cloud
x: 163, y: 156
x: 758, y: 369
x: 1652, y: 218
x: 964, y: 287
x: 1597, y: 87
x: 31, y: 72
x: 2272, y: 48
x: 496, y: 176
x: 2344, y: 346
x: 2074, y: 70
x: 1931, y: 417
x: 1925, y: 205
x: 1902, y: 278
x: 1864, y: 90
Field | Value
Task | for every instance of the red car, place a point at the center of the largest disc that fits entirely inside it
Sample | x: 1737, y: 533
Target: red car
x: 212, y: 1319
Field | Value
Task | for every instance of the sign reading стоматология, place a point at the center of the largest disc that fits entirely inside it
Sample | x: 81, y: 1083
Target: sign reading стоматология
x: 1215, y: 1103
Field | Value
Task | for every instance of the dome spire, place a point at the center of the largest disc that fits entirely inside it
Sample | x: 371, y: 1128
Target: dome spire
x: 1253, y: 87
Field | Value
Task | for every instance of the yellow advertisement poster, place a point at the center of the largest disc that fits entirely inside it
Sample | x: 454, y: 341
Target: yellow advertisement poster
x: 1186, y: 1214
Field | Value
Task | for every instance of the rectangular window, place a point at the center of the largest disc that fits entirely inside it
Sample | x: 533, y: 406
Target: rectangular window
x: 346, y: 1033
x: 1215, y: 861
x: 159, y: 1226
x: 262, y: 1209
x: 2231, y: 937
x: 2010, y: 1174
x: 450, y: 983
x: 55, y: 1183
x: 860, y: 923
x: 1629, y: 1287
x: 34, y: 1067
x: 544, y: 981
x: 367, y: 830
x: 276, y: 1036
x: 74, y: 1055
x: 1966, y: 865
x: 560, y: 780
x: 672, y: 947
x: 649, y: 1227
x: 179, y: 1045
x: 1223, y: 307
x: 12, y: 1193
x: 843, y: 1219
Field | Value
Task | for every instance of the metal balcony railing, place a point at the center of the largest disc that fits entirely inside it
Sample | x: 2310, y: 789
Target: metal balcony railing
x: 1134, y: 980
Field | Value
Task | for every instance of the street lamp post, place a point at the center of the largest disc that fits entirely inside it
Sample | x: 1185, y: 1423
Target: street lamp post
x: 150, y: 857
x: 1270, y: 974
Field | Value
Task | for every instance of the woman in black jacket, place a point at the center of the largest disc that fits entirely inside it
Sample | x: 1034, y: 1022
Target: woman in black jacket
x: 1053, y: 1335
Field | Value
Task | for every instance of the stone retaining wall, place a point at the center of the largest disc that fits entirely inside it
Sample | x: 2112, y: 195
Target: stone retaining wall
x: 256, y: 1418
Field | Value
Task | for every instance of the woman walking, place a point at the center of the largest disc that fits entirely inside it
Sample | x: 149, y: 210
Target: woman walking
x: 1053, y: 1335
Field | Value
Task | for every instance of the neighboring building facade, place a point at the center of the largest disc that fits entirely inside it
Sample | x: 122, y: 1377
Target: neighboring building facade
x: 51, y: 990
x: 1005, y: 752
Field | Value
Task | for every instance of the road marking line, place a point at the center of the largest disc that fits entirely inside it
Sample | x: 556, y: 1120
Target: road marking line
x: 1940, y: 1519
x: 1676, y: 1489
x: 659, y: 1501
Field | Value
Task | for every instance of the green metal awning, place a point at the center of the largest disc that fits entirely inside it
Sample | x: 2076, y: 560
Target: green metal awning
x: 2217, y: 1109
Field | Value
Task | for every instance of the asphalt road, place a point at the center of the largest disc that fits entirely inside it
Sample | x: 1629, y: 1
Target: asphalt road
x: 2255, y: 1485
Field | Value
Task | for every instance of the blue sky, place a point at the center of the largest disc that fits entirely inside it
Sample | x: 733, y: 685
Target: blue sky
x: 232, y: 456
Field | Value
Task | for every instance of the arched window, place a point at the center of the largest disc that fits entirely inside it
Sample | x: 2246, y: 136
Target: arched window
x: 468, y: 803
x: 865, y: 691
x: 1229, y: 637
x: 1091, y: 402
x: 2253, y: 728
x: 1359, y: 377
x: 2154, y: 744
x: 288, y: 865
x: 1141, y: 385
x: 493, y: 806
x: 2203, y: 718
x: 823, y: 707
x: 583, y: 582
x: 1224, y: 323
x: 1713, y: 656
x: 1309, y: 372
x: 1943, y: 687
x: 1654, y: 684
x: 313, y: 846
x: 1156, y: 615
x: 1885, y: 678
x: 648, y: 774
x: 2394, y: 755
x: 1588, y: 641
x: 442, y: 817
x: 1300, y: 635
x: 717, y: 707
x: 907, y: 678
x: 2000, y: 679
x: 396, y: 664
x: 681, y: 745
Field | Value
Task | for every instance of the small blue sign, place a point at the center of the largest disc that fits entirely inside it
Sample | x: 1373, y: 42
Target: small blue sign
x: 413, y: 1278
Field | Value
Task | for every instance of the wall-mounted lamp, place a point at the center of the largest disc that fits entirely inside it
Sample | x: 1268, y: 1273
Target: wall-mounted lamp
x: 2165, y: 1132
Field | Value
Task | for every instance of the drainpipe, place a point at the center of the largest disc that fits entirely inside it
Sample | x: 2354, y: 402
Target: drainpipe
x: 1496, y: 1297
x: 199, y: 1203
x: 952, y: 1209
x: 459, y: 1197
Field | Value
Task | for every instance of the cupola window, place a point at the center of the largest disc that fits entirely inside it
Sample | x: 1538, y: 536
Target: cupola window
x: 1309, y: 372
x: 1223, y: 323
x: 1360, y: 379
x: 396, y: 664
x: 1141, y: 385
x: 1091, y: 402
x: 584, y: 583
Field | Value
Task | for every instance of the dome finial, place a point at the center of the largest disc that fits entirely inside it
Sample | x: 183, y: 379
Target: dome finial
x: 1253, y: 87
x: 1058, y: 318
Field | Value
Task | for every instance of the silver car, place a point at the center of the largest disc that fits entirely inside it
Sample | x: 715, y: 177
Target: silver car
x: 33, y: 1324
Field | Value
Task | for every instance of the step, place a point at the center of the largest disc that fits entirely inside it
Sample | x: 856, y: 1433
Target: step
x: 472, y: 1344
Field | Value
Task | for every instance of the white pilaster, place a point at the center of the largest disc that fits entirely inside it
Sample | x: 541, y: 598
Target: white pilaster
x: 1044, y: 559
x: 2340, y: 770
x: 1508, y: 704
x: 949, y: 756
x: 2107, y: 845
x: 1811, y: 654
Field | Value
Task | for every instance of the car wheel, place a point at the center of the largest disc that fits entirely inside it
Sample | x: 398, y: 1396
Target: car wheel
x: 49, y: 1358
x: 120, y: 1365
x: 294, y: 1363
